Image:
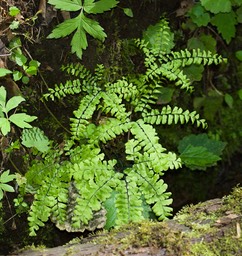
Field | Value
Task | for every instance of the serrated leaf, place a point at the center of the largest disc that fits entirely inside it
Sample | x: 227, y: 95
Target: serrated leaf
x: 239, y: 14
x: 200, y: 152
x: 199, y: 15
x: 225, y: 23
x: 65, y: 28
x: 67, y: 5
x: 79, y: 42
x: 4, y: 72
x: 88, y: 5
x: 22, y: 120
x: 102, y: 6
x: 4, y: 126
x: 14, y: 102
x: 198, y: 157
x: 93, y: 28
x: 217, y: 6
x: 203, y: 42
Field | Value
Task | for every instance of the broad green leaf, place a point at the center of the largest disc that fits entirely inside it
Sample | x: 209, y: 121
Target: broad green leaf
x: 239, y: 14
x: 17, y: 75
x: 229, y: 100
x: 35, y: 137
x: 199, y: 15
x: 13, y: 11
x: 20, y: 59
x: 203, y: 42
x: 93, y: 28
x: 217, y: 6
x: 31, y: 70
x: 22, y: 120
x: 3, y: 95
x: 6, y: 177
x: 79, y: 42
x: 236, y: 2
x: 6, y: 187
x: 111, y: 215
x: 65, y: 28
x: 198, y: 158
x: 194, y: 72
x: 34, y: 63
x: 25, y: 79
x: 67, y: 5
x: 14, y: 102
x: 238, y: 55
x: 1, y: 194
x: 4, y: 72
x: 128, y: 12
x: 102, y: 6
x: 4, y: 126
x: 216, y: 147
x: 240, y: 93
x: 225, y: 23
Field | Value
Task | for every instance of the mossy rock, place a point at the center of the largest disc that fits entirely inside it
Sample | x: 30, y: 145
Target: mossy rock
x: 209, y: 228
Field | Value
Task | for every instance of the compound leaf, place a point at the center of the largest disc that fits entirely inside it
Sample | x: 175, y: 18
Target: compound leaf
x: 22, y: 120
x: 67, y: 5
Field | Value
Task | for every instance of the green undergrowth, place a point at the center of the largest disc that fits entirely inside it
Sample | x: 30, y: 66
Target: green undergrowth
x: 193, y: 230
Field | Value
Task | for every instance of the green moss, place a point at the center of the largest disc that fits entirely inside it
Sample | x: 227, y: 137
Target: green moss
x: 209, y: 228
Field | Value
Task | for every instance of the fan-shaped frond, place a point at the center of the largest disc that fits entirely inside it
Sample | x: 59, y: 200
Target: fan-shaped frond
x: 84, y: 113
x: 173, y: 116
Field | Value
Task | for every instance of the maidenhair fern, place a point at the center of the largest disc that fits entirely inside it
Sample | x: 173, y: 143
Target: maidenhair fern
x: 114, y: 152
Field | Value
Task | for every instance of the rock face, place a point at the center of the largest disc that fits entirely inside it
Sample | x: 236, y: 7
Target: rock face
x: 209, y: 228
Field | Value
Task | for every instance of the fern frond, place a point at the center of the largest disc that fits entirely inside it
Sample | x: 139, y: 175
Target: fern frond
x: 109, y: 129
x: 146, y: 149
x: 154, y: 191
x: 173, y: 116
x: 196, y: 56
x: 62, y: 90
x: 159, y: 37
x: 83, y: 114
x: 128, y: 201
x: 50, y: 200
x: 127, y: 91
x: 112, y: 104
